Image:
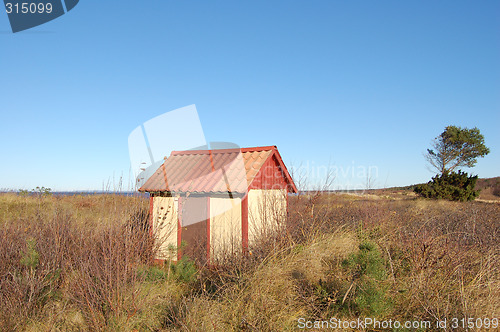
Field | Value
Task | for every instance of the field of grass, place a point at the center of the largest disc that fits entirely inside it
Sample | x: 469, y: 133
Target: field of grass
x: 78, y: 263
x: 489, y: 190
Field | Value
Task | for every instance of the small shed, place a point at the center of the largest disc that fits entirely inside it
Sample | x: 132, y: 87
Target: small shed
x: 208, y: 203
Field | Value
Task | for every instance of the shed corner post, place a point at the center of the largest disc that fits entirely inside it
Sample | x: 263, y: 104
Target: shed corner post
x: 244, y: 223
x: 151, y: 220
x: 179, y: 228
x: 208, y: 230
x: 287, y: 193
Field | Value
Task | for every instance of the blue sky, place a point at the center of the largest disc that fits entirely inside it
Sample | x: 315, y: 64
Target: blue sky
x: 356, y: 84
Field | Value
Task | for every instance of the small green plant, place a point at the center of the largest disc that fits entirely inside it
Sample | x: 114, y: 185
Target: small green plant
x: 451, y: 186
x: 30, y: 257
x: 368, y: 272
x: 184, y: 270
x: 50, y: 289
x: 152, y: 273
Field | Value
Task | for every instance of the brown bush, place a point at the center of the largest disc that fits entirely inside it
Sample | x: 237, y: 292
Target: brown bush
x: 47, y: 255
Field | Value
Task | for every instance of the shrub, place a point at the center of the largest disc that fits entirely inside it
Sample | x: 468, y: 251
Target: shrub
x: 30, y: 257
x: 185, y: 270
x: 152, y: 273
x: 450, y: 185
x: 367, y: 268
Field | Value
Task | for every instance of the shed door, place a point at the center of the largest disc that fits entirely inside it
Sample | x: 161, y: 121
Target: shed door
x: 194, y: 228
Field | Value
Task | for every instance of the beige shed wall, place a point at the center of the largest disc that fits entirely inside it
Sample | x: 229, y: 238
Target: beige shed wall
x: 225, y: 227
x: 266, y: 211
x: 165, y: 226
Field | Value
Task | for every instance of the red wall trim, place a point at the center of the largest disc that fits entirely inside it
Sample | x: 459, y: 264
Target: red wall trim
x: 244, y: 224
x: 208, y: 230
x: 179, y: 228
x: 288, y: 177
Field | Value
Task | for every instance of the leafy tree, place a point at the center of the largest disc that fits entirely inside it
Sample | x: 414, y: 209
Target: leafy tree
x: 450, y: 185
x: 456, y: 147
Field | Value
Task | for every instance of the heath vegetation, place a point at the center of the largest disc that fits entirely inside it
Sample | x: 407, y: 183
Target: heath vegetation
x: 84, y: 263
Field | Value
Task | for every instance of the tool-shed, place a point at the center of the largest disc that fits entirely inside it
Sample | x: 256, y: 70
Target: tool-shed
x: 206, y: 203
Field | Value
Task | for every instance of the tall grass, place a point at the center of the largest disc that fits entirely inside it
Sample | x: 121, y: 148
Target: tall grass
x: 85, y: 263
x: 54, y: 254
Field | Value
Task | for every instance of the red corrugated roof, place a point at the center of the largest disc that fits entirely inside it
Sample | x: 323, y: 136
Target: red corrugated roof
x: 201, y: 171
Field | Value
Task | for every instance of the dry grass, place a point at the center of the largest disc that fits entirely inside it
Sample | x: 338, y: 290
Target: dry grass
x: 84, y: 263
x: 490, y: 189
x: 56, y: 259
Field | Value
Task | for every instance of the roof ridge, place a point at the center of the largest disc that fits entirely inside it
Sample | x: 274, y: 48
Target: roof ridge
x: 250, y: 149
